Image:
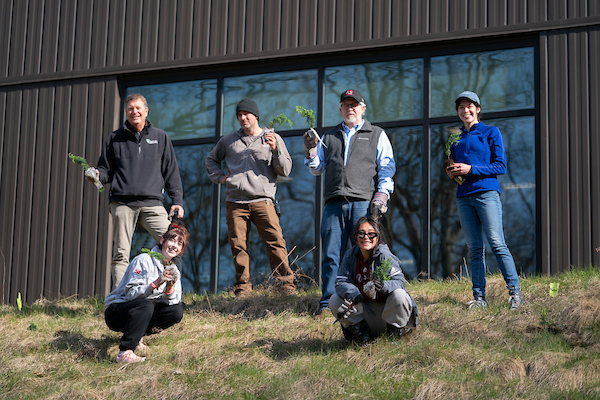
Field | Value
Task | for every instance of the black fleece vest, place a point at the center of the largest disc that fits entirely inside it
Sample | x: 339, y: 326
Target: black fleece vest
x: 358, y: 179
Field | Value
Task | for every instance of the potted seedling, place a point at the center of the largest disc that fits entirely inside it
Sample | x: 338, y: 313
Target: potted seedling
x: 310, y: 119
x: 280, y: 119
x: 382, y: 272
x: 453, y: 139
x: 89, y: 171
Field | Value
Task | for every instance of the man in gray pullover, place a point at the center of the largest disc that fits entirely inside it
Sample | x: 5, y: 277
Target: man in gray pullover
x: 255, y: 157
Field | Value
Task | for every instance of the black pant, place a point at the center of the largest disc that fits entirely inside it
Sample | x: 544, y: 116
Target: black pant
x: 139, y: 317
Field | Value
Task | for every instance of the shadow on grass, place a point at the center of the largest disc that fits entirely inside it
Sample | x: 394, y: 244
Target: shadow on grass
x: 280, y: 350
x: 82, y: 347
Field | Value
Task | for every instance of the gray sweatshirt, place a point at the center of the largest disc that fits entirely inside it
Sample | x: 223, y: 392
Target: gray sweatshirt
x: 253, y: 166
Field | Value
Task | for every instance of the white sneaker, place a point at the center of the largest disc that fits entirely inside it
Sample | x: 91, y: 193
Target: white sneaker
x: 128, y: 356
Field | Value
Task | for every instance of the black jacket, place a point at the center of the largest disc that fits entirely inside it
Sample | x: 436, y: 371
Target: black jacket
x: 138, y: 169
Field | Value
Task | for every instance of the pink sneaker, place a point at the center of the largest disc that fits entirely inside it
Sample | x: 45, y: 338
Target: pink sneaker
x: 141, y: 346
x: 128, y: 356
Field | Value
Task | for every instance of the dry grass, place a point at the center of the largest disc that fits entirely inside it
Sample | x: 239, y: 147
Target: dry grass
x: 272, y: 347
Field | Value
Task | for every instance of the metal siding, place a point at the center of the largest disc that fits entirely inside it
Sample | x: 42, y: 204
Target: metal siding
x: 363, y: 20
x: 497, y: 13
x: 99, y: 33
x: 516, y: 12
x: 543, y: 159
x: 218, y: 28
x: 253, y: 26
x: 201, y: 29
x: 419, y: 17
x: 184, y: 29
x: 290, y: 23
x: 41, y: 193
x: 6, y: 8
x: 236, y: 19
x: 325, y: 22
x: 57, y: 208
x: 307, y: 34
x: 66, y: 36
x: 559, y: 153
x: 166, y: 30
x: 149, y: 34
x: 17, y: 38
x: 457, y: 15
x: 8, y: 189
x: 33, y: 46
x: 477, y: 14
x: 400, y: 18
x: 594, y: 107
x: 116, y: 33
x: 382, y: 24
x: 438, y: 16
x: 272, y: 27
x: 557, y: 9
x: 133, y: 32
x: 83, y: 35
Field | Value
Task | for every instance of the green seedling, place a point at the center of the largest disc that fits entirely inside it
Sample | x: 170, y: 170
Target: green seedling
x: 383, y: 272
x: 89, y: 171
x: 452, y: 140
x: 153, y: 254
x: 310, y: 119
x: 280, y: 119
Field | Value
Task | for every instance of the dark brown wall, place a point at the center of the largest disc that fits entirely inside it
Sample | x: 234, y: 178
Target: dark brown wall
x: 61, y: 62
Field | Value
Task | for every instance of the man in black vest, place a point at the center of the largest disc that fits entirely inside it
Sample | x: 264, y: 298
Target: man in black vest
x: 358, y: 162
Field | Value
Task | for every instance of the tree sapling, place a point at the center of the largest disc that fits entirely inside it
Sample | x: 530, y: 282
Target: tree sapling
x: 310, y: 119
x: 453, y: 139
x: 89, y: 171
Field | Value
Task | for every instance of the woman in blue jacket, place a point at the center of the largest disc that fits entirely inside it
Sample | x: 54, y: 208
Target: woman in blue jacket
x: 479, y: 157
x: 371, y: 296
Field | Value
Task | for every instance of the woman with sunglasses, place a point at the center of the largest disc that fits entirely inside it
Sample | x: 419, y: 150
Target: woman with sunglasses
x: 371, y: 297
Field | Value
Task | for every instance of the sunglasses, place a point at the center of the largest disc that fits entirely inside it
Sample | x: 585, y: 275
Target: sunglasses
x: 370, y: 235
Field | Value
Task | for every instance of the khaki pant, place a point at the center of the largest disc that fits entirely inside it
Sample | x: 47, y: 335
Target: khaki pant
x: 264, y: 217
x: 125, y: 218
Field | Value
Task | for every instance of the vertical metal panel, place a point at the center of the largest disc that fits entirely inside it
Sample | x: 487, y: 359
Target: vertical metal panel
x: 477, y: 14
x: 579, y: 136
x: 99, y: 33
x: 41, y: 193
x: 438, y: 16
x: 253, y: 26
x: 577, y: 8
x: 17, y: 38
x: 457, y: 15
x: 83, y: 35
x: 132, y: 40
x: 272, y: 26
x: 543, y: 159
x: 497, y: 13
x: 290, y: 24
x: 363, y: 20
x: 218, y: 28
x: 382, y: 23
x: 236, y: 26
x: 400, y: 18
x: 325, y: 22
x: 8, y: 187
x: 50, y: 38
x: 559, y: 154
x: 201, y: 29
x: 184, y: 29
x: 594, y: 107
x: 149, y: 38
x: 66, y: 36
x: 58, y: 192
x: 344, y: 21
x: 6, y: 21
x: 116, y: 33
x: 307, y: 32
x: 166, y: 30
x: 516, y: 12
x: 537, y: 11
x: 419, y: 17
x: 557, y: 9
x: 33, y: 39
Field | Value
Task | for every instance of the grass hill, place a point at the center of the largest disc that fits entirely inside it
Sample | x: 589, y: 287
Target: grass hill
x: 272, y: 347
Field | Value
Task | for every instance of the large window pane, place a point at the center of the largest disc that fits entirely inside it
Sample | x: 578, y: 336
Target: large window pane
x: 295, y: 194
x: 503, y: 79
x: 274, y: 93
x: 185, y: 110
x: 392, y: 90
x: 518, y: 200
x: 403, y: 220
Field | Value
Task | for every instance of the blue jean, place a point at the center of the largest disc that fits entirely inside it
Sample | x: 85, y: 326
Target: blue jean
x: 482, y: 212
x: 339, y: 218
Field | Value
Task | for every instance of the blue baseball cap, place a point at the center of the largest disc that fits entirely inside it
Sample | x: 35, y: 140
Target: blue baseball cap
x: 469, y: 96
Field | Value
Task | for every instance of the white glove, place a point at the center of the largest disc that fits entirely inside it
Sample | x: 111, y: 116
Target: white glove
x: 173, y: 274
x: 346, y: 309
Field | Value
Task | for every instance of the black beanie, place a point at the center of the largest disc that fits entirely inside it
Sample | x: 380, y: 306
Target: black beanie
x: 247, y: 105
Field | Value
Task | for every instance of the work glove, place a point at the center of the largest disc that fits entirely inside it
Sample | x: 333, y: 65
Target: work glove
x: 158, y: 281
x: 310, y: 145
x: 379, y: 205
x: 346, y: 309
x: 378, y: 283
